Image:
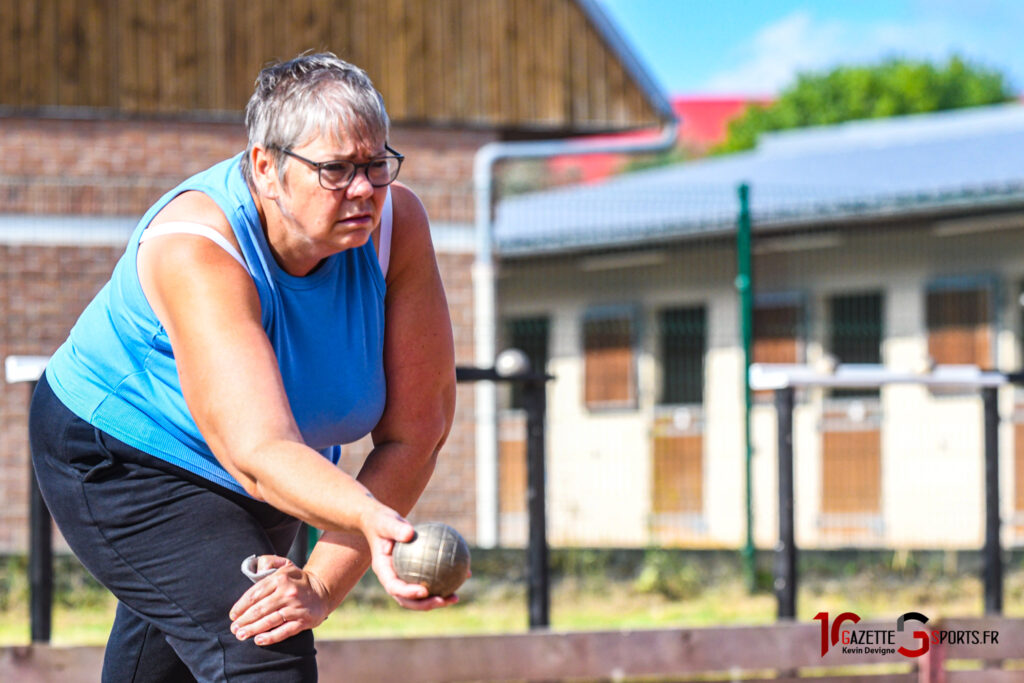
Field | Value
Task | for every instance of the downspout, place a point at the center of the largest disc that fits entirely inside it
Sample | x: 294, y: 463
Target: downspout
x: 485, y: 321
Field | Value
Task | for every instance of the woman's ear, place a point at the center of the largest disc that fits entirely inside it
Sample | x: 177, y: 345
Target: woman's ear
x: 264, y: 173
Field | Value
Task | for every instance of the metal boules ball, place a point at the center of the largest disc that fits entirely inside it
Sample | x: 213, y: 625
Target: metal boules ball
x: 437, y: 557
x: 511, y: 362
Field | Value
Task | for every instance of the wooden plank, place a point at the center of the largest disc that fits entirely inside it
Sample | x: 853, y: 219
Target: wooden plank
x: 432, y: 69
x: 275, y: 31
x: 579, y: 85
x: 599, y: 654
x: 239, y: 24
x: 446, y: 29
x: 492, y: 52
x: 94, y: 74
x: 512, y: 474
x: 522, y: 77
x: 27, y: 33
x: 211, y: 57
x: 1010, y: 635
x: 247, y: 49
x: 371, y: 19
x: 467, y: 55
x: 166, y: 41
x: 126, y: 90
x: 36, y: 45
x: 618, y: 89
x: 394, y: 71
x: 597, y: 73
x: 982, y: 676
x: 146, y: 25
x: 852, y: 472
x: 846, y: 677
x: 69, y: 53
x: 678, y: 474
x: 45, y: 86
x: 340, y: 20
x: 44, y: 664
x: 546, y: 655
x: 304, y: 27
x: 186, y: 55
x: 510, y: 63
x: 1018, y: 468
x: 554, y: 111
x: 10, y: 47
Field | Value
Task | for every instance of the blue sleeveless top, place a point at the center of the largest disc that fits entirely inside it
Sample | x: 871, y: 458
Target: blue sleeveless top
x: 117, y: 370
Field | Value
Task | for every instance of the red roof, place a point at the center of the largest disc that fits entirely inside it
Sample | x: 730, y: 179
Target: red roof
x: 702, y: 123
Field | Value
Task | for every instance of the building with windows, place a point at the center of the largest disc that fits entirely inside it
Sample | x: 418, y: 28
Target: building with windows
x: 104, y: 106
x: 897, y: 242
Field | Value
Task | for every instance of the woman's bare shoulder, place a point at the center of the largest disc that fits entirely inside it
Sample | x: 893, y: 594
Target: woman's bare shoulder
x: 195, y: 207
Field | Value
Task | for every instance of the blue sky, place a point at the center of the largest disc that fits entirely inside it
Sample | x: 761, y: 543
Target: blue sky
x: 754, y: 47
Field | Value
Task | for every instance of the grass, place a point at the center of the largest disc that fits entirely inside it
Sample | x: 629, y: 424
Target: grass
x: 589, y: 592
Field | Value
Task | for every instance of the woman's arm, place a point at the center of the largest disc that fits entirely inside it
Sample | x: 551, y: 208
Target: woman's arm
x: 231, y: 383
x: 419, y: 361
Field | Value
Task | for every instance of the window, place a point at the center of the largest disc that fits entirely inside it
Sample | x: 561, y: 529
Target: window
x: 855, y: 333
x: 609, y: 363
x: 683, y: 346
x: 959, y: 322
x: 529, y: 335
x: 777, y: 332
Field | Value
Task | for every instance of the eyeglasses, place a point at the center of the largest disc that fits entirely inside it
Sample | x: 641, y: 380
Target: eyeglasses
x: 337, y: 175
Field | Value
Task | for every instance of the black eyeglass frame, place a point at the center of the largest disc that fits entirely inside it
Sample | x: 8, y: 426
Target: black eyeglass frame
x: 320, y: 165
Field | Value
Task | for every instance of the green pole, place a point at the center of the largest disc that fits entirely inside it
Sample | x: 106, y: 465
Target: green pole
x: 745, y: 287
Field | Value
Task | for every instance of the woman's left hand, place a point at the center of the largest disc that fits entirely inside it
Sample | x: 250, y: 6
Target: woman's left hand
x: 281, y: 605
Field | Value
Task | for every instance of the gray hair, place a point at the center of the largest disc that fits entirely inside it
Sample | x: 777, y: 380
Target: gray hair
x: 311, y: 94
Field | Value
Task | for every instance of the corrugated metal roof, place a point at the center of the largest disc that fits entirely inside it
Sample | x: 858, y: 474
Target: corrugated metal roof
x: 857, y: 169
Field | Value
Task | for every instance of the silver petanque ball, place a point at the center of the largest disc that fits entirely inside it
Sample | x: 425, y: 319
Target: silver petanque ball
x: 511, y: 362
x: 437, y: 557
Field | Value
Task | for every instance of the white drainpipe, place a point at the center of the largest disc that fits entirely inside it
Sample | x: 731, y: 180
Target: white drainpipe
x: 484, y: 296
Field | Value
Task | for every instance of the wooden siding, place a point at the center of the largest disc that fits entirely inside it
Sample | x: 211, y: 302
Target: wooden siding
x: 536, y: 65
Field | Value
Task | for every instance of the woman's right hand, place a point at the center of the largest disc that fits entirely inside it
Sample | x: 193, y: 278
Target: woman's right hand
x: 383, y: 527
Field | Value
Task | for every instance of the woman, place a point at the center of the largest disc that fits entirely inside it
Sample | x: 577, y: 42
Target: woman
x: 193, y: 415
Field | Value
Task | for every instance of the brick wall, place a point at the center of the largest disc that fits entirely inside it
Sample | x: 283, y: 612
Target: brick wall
x: 118, y: 168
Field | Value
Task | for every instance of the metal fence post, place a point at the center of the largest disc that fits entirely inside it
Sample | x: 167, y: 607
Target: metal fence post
x: 745, y: 287
x: 535, y: 397
x: 28, y: 369
x: 40, y: 558
x: 785, y: 551
x: 993, y: 554
x: 537, y: 546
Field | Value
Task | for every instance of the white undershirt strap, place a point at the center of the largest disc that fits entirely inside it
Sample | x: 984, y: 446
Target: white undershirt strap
x: 189, y: 228
x: 384, y: 248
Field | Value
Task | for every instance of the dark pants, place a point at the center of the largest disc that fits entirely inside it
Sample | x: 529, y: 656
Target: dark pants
x: 169, y: 545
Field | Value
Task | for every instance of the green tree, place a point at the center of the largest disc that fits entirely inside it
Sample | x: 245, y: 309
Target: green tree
x: 891, y: 88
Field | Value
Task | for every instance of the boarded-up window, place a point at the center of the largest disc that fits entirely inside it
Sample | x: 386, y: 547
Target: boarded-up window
x: 512, y: 529
x: 679, y: 473
x: 852, y: 472
x: 777, y: 337
x: 610, y: 366
x: 683, y: 333
x: 1018, y: 472
x: 677, y: 476
x: 960, y: 326
x: 777, y: 333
